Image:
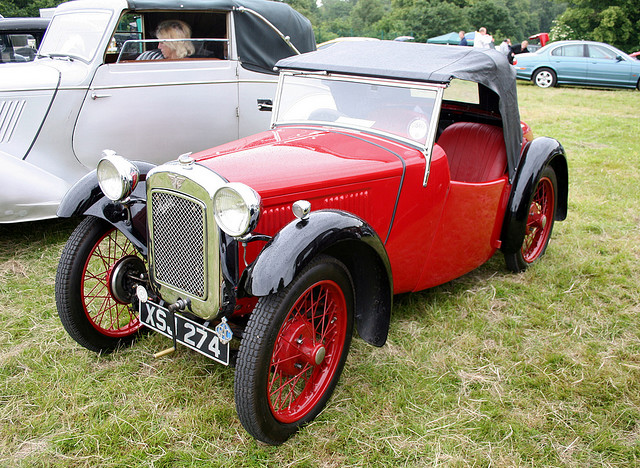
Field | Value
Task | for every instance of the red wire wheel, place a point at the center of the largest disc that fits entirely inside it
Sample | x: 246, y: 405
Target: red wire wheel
x: 540, y: 220
x: 94, y: 289
x: 539, y: 224
x: 293, y: 350
x: 105, y: 311
x: 307, y: 351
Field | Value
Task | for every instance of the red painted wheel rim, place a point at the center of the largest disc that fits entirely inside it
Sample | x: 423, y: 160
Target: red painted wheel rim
x: 539, y: 221
x: 314, y: 330
x: 105, y: 314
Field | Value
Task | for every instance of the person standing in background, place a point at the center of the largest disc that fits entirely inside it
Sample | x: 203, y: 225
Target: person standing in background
x: 482, y: 40
x: 520, y: 48
x: 505, y: 47
x: 463, y: 40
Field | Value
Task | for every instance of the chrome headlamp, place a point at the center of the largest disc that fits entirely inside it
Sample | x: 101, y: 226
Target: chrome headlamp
x: 117, y: 176
x: 236, y: 208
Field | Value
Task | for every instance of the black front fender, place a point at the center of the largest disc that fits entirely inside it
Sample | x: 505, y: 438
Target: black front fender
x: 347, y: 238
x: 297, y: 243
x: 538, y: 154
x: 86, y: 198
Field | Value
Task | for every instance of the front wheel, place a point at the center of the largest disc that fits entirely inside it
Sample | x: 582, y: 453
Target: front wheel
x: 293, y: 350
x: 542, y: 212
x: 94, y: 286
x: 545, y: 78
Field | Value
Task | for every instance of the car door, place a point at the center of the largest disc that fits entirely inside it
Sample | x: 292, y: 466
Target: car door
x: 570, y: 63
x: 256, y: 92
x: 157, y: 110
x: 605, y: 69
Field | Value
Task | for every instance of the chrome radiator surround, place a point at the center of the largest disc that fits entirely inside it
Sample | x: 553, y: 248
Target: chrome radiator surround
x: 184, y: 243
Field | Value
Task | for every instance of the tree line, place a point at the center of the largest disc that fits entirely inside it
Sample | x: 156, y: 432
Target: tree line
x: 616, y: 22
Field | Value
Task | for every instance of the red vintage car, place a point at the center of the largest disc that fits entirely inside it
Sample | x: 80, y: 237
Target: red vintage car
x: 390, y: 167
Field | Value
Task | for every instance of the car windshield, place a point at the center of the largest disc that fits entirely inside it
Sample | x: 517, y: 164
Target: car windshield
x: 75, y: 35
x: 404, y: 110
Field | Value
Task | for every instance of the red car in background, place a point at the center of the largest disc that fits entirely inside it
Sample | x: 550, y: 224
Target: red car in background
x: 266, y: 252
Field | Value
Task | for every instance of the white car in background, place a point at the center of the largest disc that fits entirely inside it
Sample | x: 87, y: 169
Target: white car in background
x: 86, y: 92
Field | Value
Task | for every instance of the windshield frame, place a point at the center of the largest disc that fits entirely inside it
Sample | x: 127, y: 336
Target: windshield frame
x: 434, y: 88
x: 56, y: 37
x: 425, y: 148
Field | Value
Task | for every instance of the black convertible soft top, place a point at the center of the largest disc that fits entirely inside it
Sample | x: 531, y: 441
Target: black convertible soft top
x: 24, y: 24
x: 425, y: 62
x: 259, y: 46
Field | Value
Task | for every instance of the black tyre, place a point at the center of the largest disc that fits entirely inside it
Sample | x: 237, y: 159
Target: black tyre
x: 542, y: 212
x: 94, y: 289
x: 545, y: 78
x: 293, y: 351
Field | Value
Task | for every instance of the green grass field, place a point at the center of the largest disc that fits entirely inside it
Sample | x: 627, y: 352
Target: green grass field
x: 493, y: 369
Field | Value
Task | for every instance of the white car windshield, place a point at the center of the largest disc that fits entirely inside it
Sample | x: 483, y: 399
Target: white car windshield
x: 398, y: 109
x: 76, y: 35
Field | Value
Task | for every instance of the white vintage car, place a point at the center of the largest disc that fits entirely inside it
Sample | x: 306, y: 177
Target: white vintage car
x: 90, y: 89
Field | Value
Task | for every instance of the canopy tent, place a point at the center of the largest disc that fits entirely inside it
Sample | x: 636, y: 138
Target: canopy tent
x: 452, y: 38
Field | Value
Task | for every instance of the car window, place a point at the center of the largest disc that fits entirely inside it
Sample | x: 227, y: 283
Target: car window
x: 573, y: 50
x: 76, y: 34
x: 17, y: 47
x: 135, y: 37
x: 601, y: 52
x: 462, y: 91
x: 399, y: 110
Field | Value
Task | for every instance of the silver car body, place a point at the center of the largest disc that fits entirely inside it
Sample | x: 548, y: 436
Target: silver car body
x: 78, y: 98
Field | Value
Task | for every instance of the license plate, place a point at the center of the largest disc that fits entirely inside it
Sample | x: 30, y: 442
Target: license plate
x: 187, y: 332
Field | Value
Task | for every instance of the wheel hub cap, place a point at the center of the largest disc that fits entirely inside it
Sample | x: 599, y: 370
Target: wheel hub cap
x: 320, y: 352
x: 118, y: 274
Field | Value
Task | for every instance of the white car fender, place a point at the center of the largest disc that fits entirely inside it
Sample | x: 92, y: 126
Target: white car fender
x: 26, y: 93
x: 27, y: 192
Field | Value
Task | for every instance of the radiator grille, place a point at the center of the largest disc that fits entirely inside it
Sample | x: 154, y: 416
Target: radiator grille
x: 178, y: 227
x: 10, y: 112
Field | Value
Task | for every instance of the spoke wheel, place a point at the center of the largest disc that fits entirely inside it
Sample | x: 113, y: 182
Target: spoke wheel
x: 293, y: 351
x: 539, y: 221
x: 94, y: 287
x: 542, y: 210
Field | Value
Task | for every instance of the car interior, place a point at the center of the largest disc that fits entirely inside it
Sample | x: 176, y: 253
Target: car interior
x: 137, y: 30
x: 471, y: 135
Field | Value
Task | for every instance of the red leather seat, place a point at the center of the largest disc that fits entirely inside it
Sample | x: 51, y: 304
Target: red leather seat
x: 476, y: 152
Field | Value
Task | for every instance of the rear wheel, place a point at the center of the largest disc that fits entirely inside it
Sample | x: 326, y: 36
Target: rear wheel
x: 293, y: 351
x: 545, y: 78
x: 94, y: 286
x: 542, y: 211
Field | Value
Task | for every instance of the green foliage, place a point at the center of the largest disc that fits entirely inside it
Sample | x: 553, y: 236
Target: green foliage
x: 560, y: 31
x: 616, y: 22
x: 25, y: 8
x: 423, y: 19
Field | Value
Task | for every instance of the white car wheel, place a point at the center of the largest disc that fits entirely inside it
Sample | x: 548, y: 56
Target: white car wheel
x: 544, y: 78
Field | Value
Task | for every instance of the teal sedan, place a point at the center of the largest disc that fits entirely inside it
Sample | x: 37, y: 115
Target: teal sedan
x: 578, y: 63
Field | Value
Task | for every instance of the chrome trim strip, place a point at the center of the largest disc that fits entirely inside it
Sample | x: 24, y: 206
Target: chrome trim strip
x: 175, y: 83
x: 431, y: 137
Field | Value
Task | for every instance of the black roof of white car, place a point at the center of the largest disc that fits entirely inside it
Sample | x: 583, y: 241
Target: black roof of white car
x: 259, y: 46
x: 424, y: 62
x: 24, y: 24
